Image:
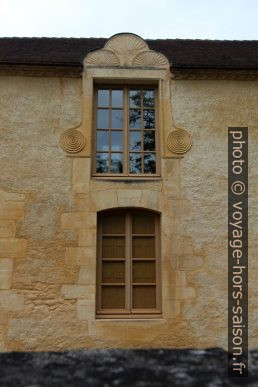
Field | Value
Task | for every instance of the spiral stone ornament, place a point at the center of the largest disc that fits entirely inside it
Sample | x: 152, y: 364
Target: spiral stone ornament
x: 179, y: 141
x: 72, y: 141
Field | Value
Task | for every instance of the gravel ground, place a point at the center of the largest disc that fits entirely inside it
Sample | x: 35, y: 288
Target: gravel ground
x: 139, y: 368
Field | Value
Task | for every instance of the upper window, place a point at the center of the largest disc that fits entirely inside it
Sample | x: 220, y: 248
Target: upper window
x: 126, y: 131
x: 128, y: 264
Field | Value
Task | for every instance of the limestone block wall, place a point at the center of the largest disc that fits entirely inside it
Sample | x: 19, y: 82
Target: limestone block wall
x: 48, y: 214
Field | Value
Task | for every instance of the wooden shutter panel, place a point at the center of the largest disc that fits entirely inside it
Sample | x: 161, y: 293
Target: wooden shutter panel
x: 128, y: 276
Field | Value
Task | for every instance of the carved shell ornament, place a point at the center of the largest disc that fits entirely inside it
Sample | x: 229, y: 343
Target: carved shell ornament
x: 179, y: 141
x: 72, y: 141
x: 127, y: 50
x: 123, y: 44
x: 103, y: 57
x: 150, y: 58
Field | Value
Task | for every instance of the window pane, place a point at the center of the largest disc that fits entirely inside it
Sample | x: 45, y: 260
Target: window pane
x: 117, y: 119
x: 143, y: 224
x: 103, y: 98
x: 143, y: 247
x: 149, y: 140
x: 102, y: 140
x: 113, y: 272
x: 135, y: 98
x: 117, y: 140
x: 144, y: 272
x: 113, y: 247
x: 135, y: 140
x: 135, y: 119
x: 135, y: 163
x: 113, y: 224
x: 103, y: 115
x: 113, y: 297
x: 116, y: 163
x: 144, y: 297
x: 149, y: 163
x: 148, y: 98
x: 117, y: 98
x: 149, y: 119
x: 102, y: 163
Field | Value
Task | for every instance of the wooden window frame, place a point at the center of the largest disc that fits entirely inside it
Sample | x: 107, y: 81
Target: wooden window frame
x: 126, y: 143
x: 129, y: 312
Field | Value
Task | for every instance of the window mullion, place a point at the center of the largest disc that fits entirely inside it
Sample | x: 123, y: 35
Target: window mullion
x: 99, y: 265
x: 127, y: 263
x: 109, y: 130
x: 126, y: 132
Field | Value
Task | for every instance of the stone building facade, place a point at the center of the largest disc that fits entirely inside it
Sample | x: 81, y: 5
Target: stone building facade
x: 52, y: 194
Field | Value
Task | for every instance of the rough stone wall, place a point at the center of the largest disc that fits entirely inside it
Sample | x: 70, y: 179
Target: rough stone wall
x: 48, y: 206
x: 206, y: 109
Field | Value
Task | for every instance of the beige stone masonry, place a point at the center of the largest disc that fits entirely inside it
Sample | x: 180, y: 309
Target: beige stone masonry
x: 11, y: 210
x: 12, y: 206
x: 12, y: 248
x: 102, y: 199
x: 178, y: 292
x: 80, y: 256
x: 81, y: 175
x: 87, y: 274
x: 85, y: 310
x: 87, y: 238
x: 190, y: 262
x: 78, y: 220
x: 172, y: 308
x: 129, y: 198
x: 7, y: 228
x: 11, y: 301
x: 78, y: 291
x: 48, y: 244
x: 6, y: 271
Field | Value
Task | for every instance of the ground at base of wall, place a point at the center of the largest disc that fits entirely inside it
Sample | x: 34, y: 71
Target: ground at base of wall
x: 136, y: 368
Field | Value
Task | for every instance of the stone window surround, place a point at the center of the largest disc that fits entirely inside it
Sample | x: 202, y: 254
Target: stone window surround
x: 126, y: 59
x: 84, y: 219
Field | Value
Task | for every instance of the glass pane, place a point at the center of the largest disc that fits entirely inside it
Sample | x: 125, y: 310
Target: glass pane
x: 135, y: 140
x: 113, y: 224
x: 143, y: 247
x: 149, y: 140
x: 144, y: 272
x: 103, y: 98
x: 135, y: 119
x: 117, y: 119
x: 144, y: 297
x: 113, y: 297
x: 103, y: 115
x: 135, y: 98
x: 116, y: 163
x: 102, y: 140
x: 113, y: 247
x: 149, y: 119
x: 117, y: 98
x: 135, y: 163
x: 102, y: 163
x: 143, y: 224
x: 117, y: 140
x: 148, y: 98
x: 149, y: 163
x: 113, y: 272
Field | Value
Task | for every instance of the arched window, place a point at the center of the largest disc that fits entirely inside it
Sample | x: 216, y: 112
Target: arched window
x: 128, y: 266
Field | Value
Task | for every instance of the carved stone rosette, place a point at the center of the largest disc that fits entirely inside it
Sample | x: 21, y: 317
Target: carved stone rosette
x: 179, y: 141
x: 72, y: 141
